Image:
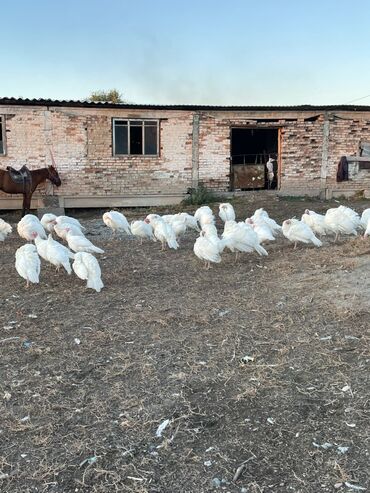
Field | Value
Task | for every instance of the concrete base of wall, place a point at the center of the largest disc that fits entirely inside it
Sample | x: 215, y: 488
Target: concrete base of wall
x: 14, y: 202
x: 76, y: 202
x: 299, y: 192
x: 347, y: 194
x: 326, y: 194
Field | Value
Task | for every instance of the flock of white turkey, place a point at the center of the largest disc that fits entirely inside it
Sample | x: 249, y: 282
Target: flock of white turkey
x: 246, y: 236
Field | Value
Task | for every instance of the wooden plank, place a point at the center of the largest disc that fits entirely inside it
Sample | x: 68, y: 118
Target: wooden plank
x: 358, y: 159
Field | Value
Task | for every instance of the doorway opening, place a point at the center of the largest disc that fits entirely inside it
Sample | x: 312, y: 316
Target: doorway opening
x: 254, y: 158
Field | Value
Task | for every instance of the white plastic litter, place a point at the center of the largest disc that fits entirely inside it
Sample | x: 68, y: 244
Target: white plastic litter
x: 162, y: 427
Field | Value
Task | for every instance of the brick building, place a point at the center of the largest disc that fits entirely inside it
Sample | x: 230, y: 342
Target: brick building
x: 128, y: 154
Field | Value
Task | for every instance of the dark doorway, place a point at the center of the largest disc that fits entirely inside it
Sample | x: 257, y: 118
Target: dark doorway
x: 254, y: 158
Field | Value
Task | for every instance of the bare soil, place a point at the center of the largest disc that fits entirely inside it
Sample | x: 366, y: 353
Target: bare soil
x: 86, y: 378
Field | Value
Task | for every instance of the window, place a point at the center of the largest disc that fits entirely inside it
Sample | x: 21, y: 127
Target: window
x: 2, y: 133
x: 135, y: 137
x: 364, y: 165
x: 364, y: 149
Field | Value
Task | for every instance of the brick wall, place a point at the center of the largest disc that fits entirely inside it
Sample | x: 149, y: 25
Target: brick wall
x: 81, y: 141
x: 345, y: 137
x: 301, y: 155
x: 214, y: 152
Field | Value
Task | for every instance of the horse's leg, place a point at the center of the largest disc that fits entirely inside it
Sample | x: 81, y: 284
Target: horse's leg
x: 26, y: 203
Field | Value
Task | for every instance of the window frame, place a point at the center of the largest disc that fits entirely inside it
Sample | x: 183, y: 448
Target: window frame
x: 3, y: 134
x: 129, y: 120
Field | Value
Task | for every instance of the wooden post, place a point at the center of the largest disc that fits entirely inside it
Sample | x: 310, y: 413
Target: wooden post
x: 195, y: 152
x: 325, y: 156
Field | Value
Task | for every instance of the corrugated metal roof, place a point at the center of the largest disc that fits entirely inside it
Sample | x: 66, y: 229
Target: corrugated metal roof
x: 183, y: 107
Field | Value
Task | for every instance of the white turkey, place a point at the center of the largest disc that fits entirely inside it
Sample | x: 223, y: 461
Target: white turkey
x: 178, y: 225
x: 28, y: 226
x: 81, y: 243
x: 55, y: 253
x: 262, y: 215
x: 367, y: 230
x: 87, y: 268
x: 207, y: 219
x: 142, y: 230
x: 61, y: 230
x: 207, y: 250
x: 365, y: 218
x: 341, y: 221
x: 162, y: 231
x: 353, y: 215
x: 48, y: 221
x: 210, y: 229
x: 5, y: 229
x: 316, y: 222
x: 41, y: 246
x: 116, y: 222
x: 263, y: 231
x: 168, y: 218
x: 226, y: 212
x: 210, y: 232
x: 240, y: 237
x: 69, y: 220
x: 204, y: 209
x: 190, y: 221
x: 151, y: 218
x: 297, y: 231
x: 204, y: 215
x: 27, y: 263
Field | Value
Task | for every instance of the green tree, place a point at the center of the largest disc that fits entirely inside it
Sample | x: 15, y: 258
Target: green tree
x: 111, y: 96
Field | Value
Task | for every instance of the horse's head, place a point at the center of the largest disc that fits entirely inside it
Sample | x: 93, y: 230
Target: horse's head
x: 54, y: 176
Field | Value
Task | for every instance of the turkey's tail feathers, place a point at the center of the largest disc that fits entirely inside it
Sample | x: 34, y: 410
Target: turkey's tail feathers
x: 316, y: 241
x: 33, y: 276
x: 97, y: 250
x: 95, y: 283
x: 222, y: 244
x: 260, y: 250
x: 67, y: 267
x: 172, y: 243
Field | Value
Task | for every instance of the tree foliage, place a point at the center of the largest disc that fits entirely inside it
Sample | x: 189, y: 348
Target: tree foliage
x: 111, y: 96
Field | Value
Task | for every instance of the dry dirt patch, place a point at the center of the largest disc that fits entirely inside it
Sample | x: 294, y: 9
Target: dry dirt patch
x: 165, y: 341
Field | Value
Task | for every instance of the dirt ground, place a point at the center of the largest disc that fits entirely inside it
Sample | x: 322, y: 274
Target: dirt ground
x: 86, y: 378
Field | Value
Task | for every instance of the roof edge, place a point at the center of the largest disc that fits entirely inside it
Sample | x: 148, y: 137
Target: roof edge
x: 183, y: 107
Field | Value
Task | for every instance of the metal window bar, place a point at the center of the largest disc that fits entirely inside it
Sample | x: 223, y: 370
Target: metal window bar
x: 259, y: 158
x: 142, y: 125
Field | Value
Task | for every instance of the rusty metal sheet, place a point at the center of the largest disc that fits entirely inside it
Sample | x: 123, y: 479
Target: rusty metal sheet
x: 249, y: 176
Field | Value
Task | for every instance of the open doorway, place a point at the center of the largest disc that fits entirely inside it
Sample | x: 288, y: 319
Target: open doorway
x: 254, y: 158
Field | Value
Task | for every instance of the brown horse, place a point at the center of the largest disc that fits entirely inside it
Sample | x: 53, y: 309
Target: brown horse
x: 38, y: 176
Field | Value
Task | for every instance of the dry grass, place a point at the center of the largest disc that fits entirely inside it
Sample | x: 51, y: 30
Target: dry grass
x: 164, y: 340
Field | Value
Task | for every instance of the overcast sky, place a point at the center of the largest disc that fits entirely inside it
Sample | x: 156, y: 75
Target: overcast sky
x: 247, y: 52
